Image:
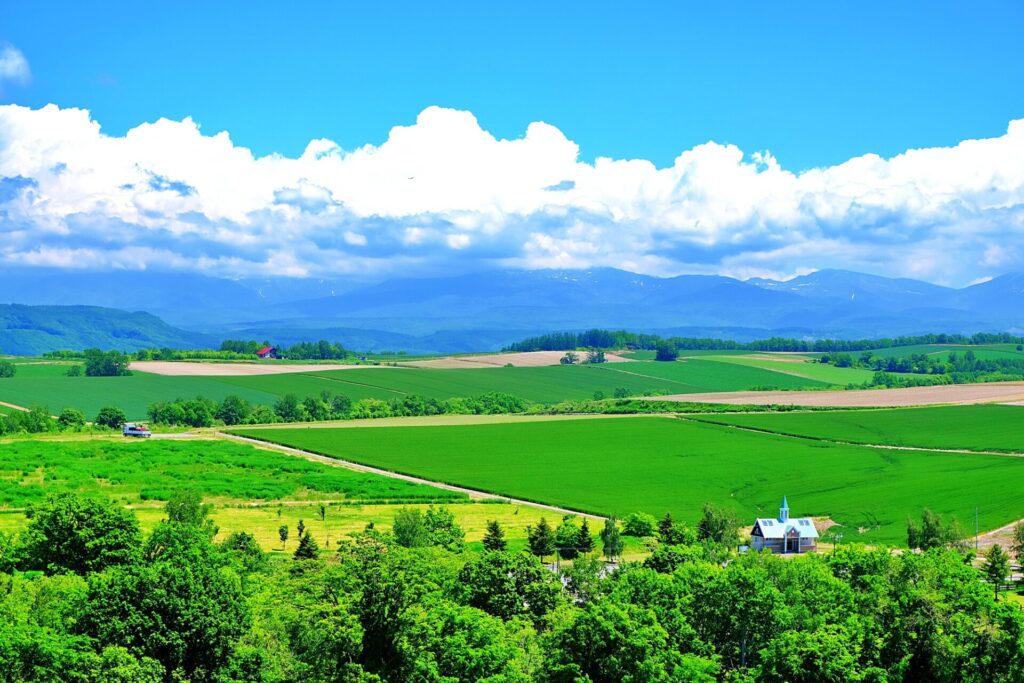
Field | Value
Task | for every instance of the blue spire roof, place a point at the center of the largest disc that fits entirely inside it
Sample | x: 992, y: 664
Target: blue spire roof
x: 785, y: 503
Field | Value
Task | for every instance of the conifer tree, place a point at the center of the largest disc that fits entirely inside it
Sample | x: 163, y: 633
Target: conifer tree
x: 541, y: 538
x: 308, y: 548
x: 585, y: 544
x: 494, y: 539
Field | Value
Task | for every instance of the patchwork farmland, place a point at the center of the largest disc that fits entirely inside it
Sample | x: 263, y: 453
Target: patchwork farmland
x: 659, y: 464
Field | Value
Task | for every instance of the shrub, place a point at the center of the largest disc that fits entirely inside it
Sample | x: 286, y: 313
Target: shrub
x: 71, y: 418
x: 7, y: 368
x: 111, y: 416
x: 639, y: 524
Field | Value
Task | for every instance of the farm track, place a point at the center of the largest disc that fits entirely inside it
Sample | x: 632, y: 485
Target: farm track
x: 474, y: 494
x: 819, y: 439
x: 358, y: 384
x: 13, y: 407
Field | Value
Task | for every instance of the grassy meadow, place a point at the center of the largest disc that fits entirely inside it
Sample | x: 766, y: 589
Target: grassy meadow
x: 977, y: 427
x: 659, y: 464
x: 252, y: 489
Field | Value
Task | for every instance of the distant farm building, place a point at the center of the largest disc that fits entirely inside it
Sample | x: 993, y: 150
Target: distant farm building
x: 267, y: 352
x: 784, y: 535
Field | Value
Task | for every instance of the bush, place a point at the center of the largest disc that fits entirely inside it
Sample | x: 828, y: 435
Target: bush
x: 71, y: 418
x: 74, y: 371
x: 111, y: 416
x: 105, y: 364
x: 7, y: 368
x: 639, y: 524
x: 666, y: 351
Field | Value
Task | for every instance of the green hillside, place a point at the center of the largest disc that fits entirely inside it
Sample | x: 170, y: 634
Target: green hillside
x: 34, y: 330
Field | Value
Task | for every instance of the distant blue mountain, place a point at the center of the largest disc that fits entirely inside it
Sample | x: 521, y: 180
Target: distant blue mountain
x: 34, y: 330
x: 486, y: 310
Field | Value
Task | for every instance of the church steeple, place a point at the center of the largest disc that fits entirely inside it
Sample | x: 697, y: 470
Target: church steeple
x: 784, y: 510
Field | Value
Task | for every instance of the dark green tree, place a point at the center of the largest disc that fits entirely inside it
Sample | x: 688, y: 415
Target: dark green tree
x: 80, y: 535
x: 567, y: 535
x: 718, y: 525
x: 611, y: 539
x: 509, y: 584
x: 541, y: 538
x: 186, y: 616
x: 282, y: 533
x: 494, y: 537
x: 111, y: 417
x: 289, y: 409
x: 71, y: 418
x: 233, y: 410
x: 996, y: 567
x: 308, y: 548
x: 584, y: 541
x: 7, y: 369
x: 665, y: 351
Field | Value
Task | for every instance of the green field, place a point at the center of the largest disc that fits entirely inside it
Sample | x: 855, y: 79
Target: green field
x: 252, y: 490
x: 979, y: 428
x: 802, y: 366
x: 656, y: 464
x: 538, y: 384
x: 138, y: 471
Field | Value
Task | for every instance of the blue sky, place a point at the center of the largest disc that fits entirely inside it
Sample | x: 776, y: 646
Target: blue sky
x: 814, y: 82
x: 772, y: 138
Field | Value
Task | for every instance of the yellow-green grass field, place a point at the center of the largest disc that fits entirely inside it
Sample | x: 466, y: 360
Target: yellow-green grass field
x: 974, y: 427
x: 659, y: 464
x: 252, y: 489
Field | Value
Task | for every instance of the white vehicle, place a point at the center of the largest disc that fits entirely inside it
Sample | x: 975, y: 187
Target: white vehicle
x: 139, y: 430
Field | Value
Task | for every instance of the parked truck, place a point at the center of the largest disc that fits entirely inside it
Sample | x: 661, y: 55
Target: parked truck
x: 137, y: 430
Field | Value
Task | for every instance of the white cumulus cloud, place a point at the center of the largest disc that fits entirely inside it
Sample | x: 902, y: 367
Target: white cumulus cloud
x: 444, y: 193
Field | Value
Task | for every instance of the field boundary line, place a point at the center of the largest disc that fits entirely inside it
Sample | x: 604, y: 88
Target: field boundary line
x: 474, y: 494
x: 13, y: 406
x: 317, y: 375
x: 821, y: 439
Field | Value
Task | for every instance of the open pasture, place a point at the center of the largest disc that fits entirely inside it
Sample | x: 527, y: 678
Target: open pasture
x: 138, y: 471
x: 539, y: 384
x: 800, y: 366
x: 252, y: 489
x: 659, y: 464
x: 976, y: 427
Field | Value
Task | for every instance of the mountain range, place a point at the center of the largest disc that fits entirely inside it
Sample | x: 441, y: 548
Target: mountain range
x: 486, y: 310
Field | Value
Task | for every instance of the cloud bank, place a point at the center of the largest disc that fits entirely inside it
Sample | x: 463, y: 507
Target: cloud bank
x: 445, y: 194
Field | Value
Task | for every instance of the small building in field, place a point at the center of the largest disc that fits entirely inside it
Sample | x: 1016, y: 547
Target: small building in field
x: 784, y: 535
x: 267, y: 352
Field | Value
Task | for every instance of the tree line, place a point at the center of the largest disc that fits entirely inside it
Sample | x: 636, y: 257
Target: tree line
x: 235, y: 410
x: 87, y: 597
x: 621, y: 339
x: 953, y: 368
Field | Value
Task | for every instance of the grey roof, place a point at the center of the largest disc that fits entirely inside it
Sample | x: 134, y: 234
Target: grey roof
x: 773, y: 528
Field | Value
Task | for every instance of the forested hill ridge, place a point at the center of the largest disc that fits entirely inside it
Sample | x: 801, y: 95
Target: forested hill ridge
x: 489, y: 309
x: 621, y: 339
x: 34, y: 330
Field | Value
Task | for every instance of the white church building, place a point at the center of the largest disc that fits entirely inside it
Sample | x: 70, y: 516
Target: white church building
x: 784, y: 535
